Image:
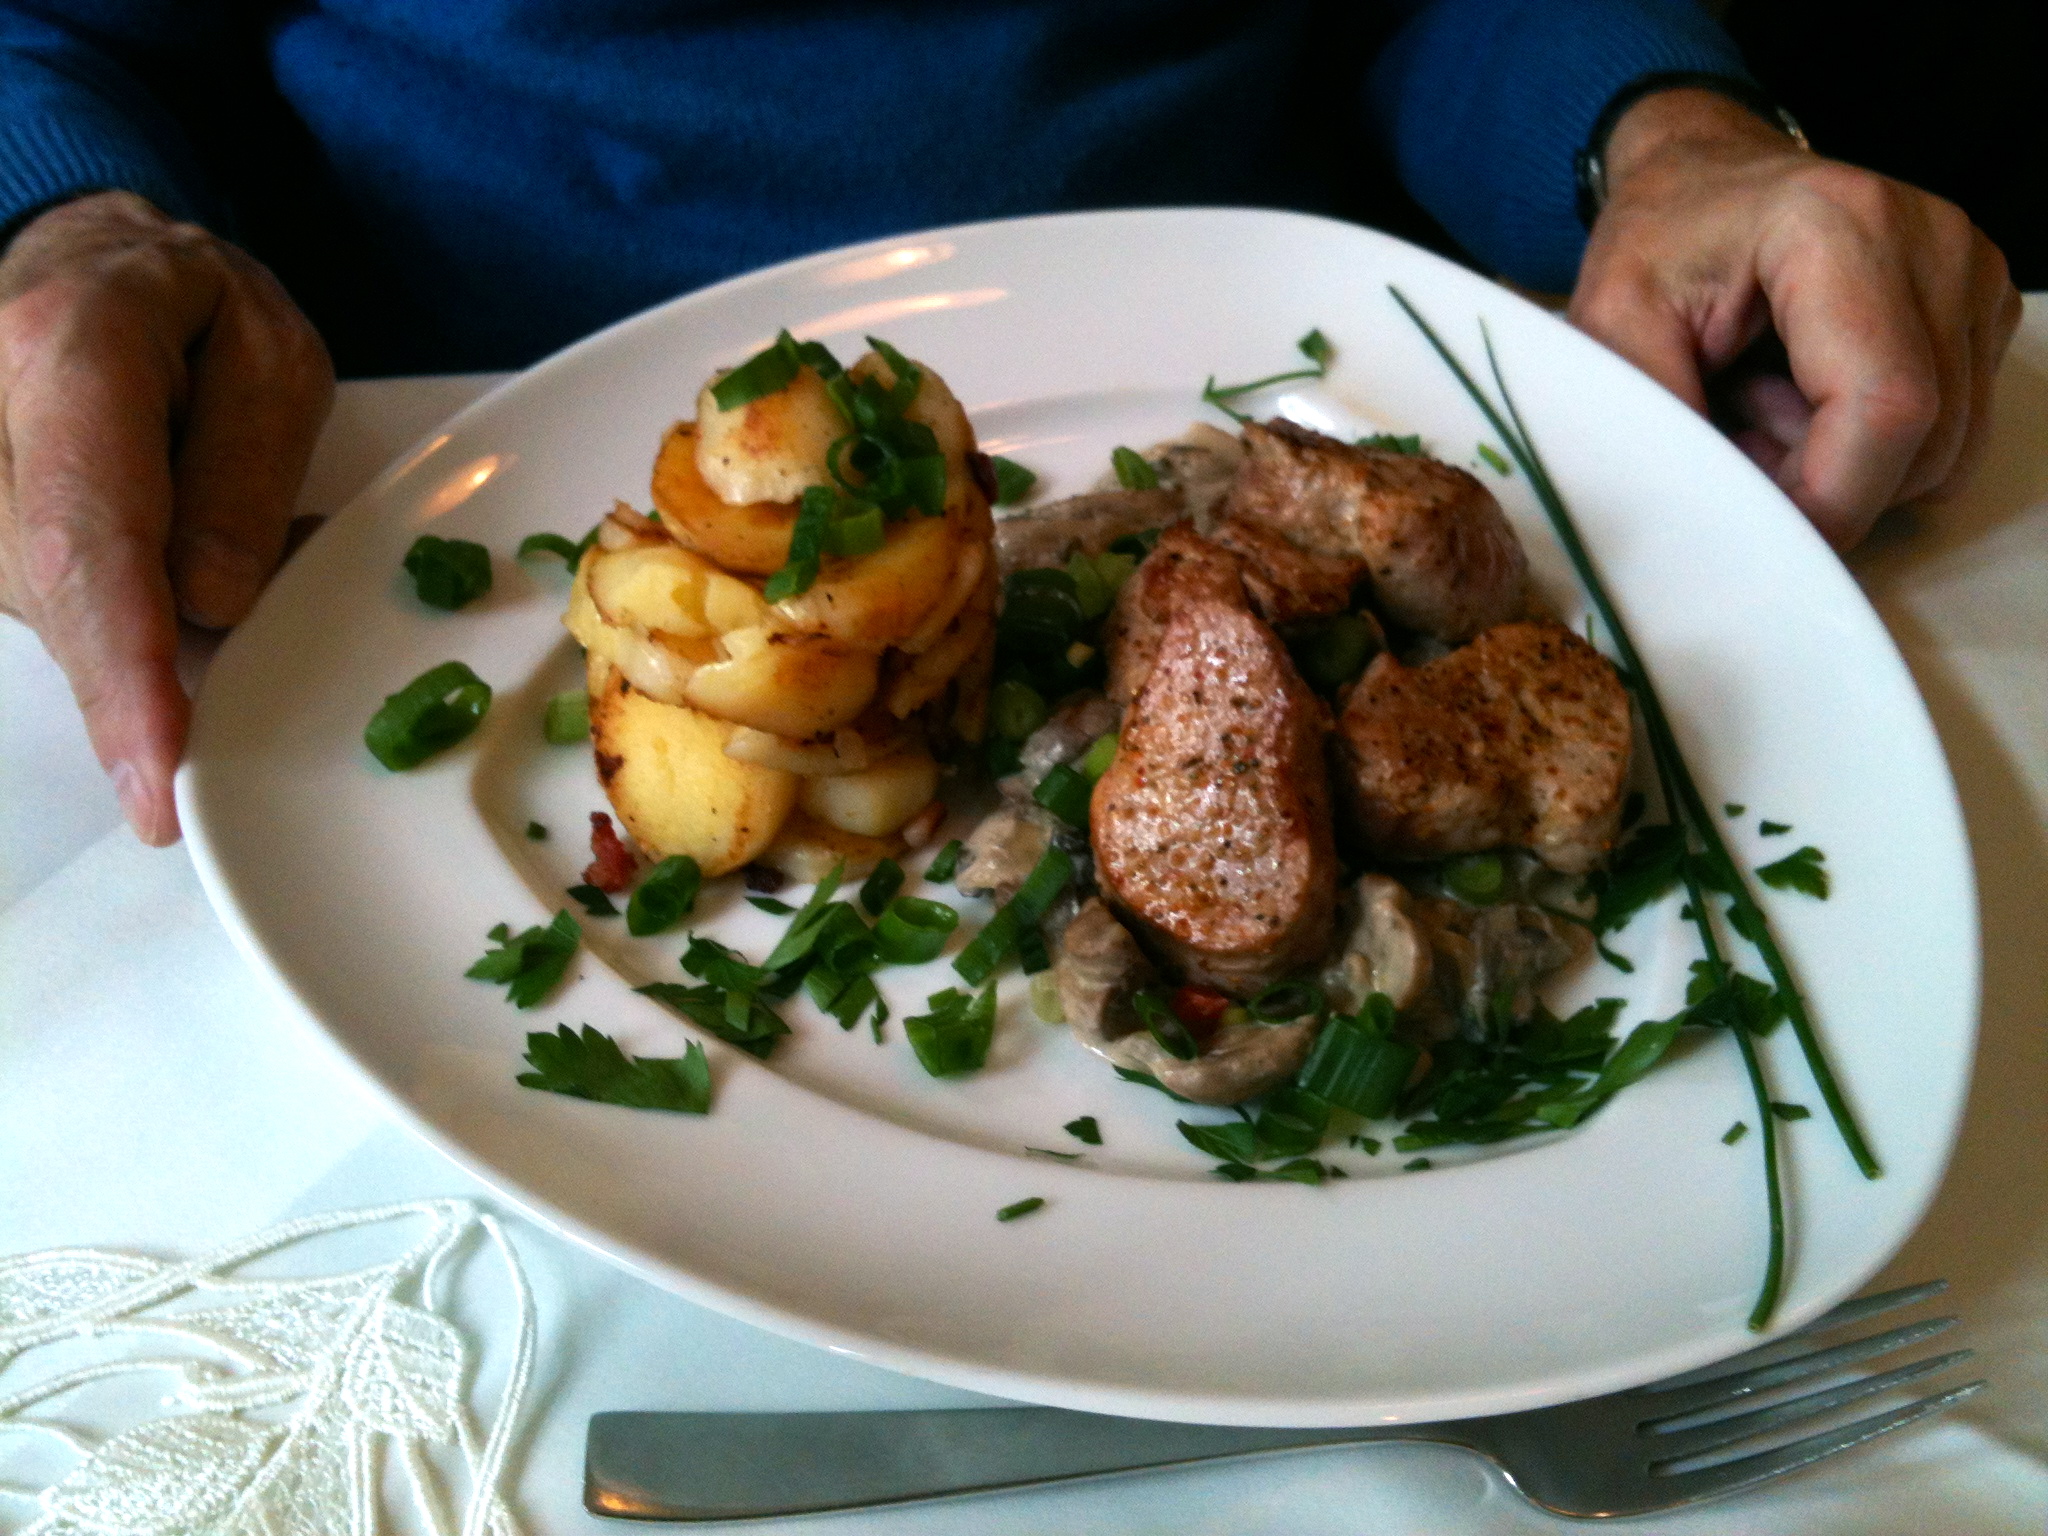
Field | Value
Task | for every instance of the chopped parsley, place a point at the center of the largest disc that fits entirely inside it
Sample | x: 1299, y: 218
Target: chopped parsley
x: 591, y: 1066
x: 1132, y: 472
x: 529, y: 964
x: 1800, y: 871
x: 593, y: 900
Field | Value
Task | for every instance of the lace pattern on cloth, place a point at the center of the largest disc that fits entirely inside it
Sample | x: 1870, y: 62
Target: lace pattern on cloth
x: 289, y: 1392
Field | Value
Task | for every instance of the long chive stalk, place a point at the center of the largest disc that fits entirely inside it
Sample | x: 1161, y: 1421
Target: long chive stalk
x: 1683, y: 799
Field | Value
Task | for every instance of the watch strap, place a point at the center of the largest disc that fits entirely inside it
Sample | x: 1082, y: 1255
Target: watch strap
x: 1589, y: 165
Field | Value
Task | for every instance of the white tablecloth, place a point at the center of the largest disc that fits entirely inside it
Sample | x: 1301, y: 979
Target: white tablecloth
x: 153, y: 1095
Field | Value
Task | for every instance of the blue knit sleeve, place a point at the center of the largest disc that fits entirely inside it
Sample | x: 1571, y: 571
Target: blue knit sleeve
x: 1484, y: 102
x: 74, y: 118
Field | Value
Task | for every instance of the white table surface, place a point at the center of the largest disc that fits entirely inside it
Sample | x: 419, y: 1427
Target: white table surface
x: 153, y: 1095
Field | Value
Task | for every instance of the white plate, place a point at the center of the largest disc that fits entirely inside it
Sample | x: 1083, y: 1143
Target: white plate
x: 841, y: 1196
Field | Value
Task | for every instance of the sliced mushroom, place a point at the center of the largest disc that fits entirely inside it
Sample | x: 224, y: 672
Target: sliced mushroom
x: 1047, y: 535
x: 1385, y: 950
x: 1070, y: 731
x: 1001, y: 852
x: 1200, y: 464
x: 1504, y: 951
x: 1098, y: 966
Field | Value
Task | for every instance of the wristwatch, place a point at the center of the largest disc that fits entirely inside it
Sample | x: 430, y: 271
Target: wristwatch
x: 1589, y: 165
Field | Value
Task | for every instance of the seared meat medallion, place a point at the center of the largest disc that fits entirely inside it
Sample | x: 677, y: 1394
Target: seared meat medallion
x: 1435, y: 545
x: 1183, y: 572
x: 1212, y: 827
x: 1521, y: 737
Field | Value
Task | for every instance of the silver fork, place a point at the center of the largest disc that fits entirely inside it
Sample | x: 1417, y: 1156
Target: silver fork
x: 1624, y: 1454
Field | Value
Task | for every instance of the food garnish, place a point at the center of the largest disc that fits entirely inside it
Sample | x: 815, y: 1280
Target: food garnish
x: 536, y: 833
x: 428, y: 715
x: 529, y: 964
x: 954, y: 1037
x: 665, y: 897
x: 1021, y: 1208
x: 880, y: 886
x: 447, y: 573
x: 590, y: 1065
x: 1701, y: 854
x: 1084, y: 1129
x: 1132, y: 472
x: 1314, y: 346
x: 593, y: 901
x: 1013, y: 481
x: 1800, y: 871
x: 567, y: 719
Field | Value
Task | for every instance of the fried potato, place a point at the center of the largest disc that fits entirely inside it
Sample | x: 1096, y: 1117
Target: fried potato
x: 926, y: 675
x: 807, y: 849
x: 772, y: 448
x: 667, y: 773
x: 876, y: 801
x: 848, y: 749
x: 752, y: 539
x: 790, y: 685
x: 655, y: 588
x: 877, y: 599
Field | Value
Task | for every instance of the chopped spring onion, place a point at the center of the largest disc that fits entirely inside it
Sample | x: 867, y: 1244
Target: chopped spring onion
x: 1065, y: 793
x: 1286, y: 1001
x: 428, y: 715
x: 1389, y: 442
x: 1013, y: 481
x: 536, y: 833
x: 879, y: 887
x: 550, y: 544
x: 1084, y: 1129
x: 1332, y: 651
x: 912, y: 930
x: 1045, y: 999
x: 944, y: 862
x: 1021, y: 1208
x: 1032, y: 958
x: 567, y: 719
x: 954, y: 1037
x: 665, y: 897
x: 1015, y: 709
x: 767, y: 372
x: 1099, y: 756
x: 1477, y: 878
x: 1034, y: 898
x: 446, y: 573
x: 1494, y: 461
x: 859, y: 533
x: 1356, y: 1069
x: 806, y: 545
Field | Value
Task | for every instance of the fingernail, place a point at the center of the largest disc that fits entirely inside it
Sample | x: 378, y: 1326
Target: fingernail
x: 145, y: 811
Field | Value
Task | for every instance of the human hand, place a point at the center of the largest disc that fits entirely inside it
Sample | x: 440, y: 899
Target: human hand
x: 1893, y: 308
x: 159, y: 398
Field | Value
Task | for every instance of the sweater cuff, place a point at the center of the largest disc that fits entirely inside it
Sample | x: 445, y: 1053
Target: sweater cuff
x: 61, y: 139
x: 1484, y: 103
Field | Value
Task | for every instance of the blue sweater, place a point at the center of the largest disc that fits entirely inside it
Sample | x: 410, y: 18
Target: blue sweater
x: 449, y: 184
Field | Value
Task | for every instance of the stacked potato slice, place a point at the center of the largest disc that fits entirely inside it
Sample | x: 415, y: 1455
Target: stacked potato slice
x: 795, y: 733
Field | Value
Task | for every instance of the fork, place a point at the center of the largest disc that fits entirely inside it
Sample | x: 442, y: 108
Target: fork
x: 1623, y: 1454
